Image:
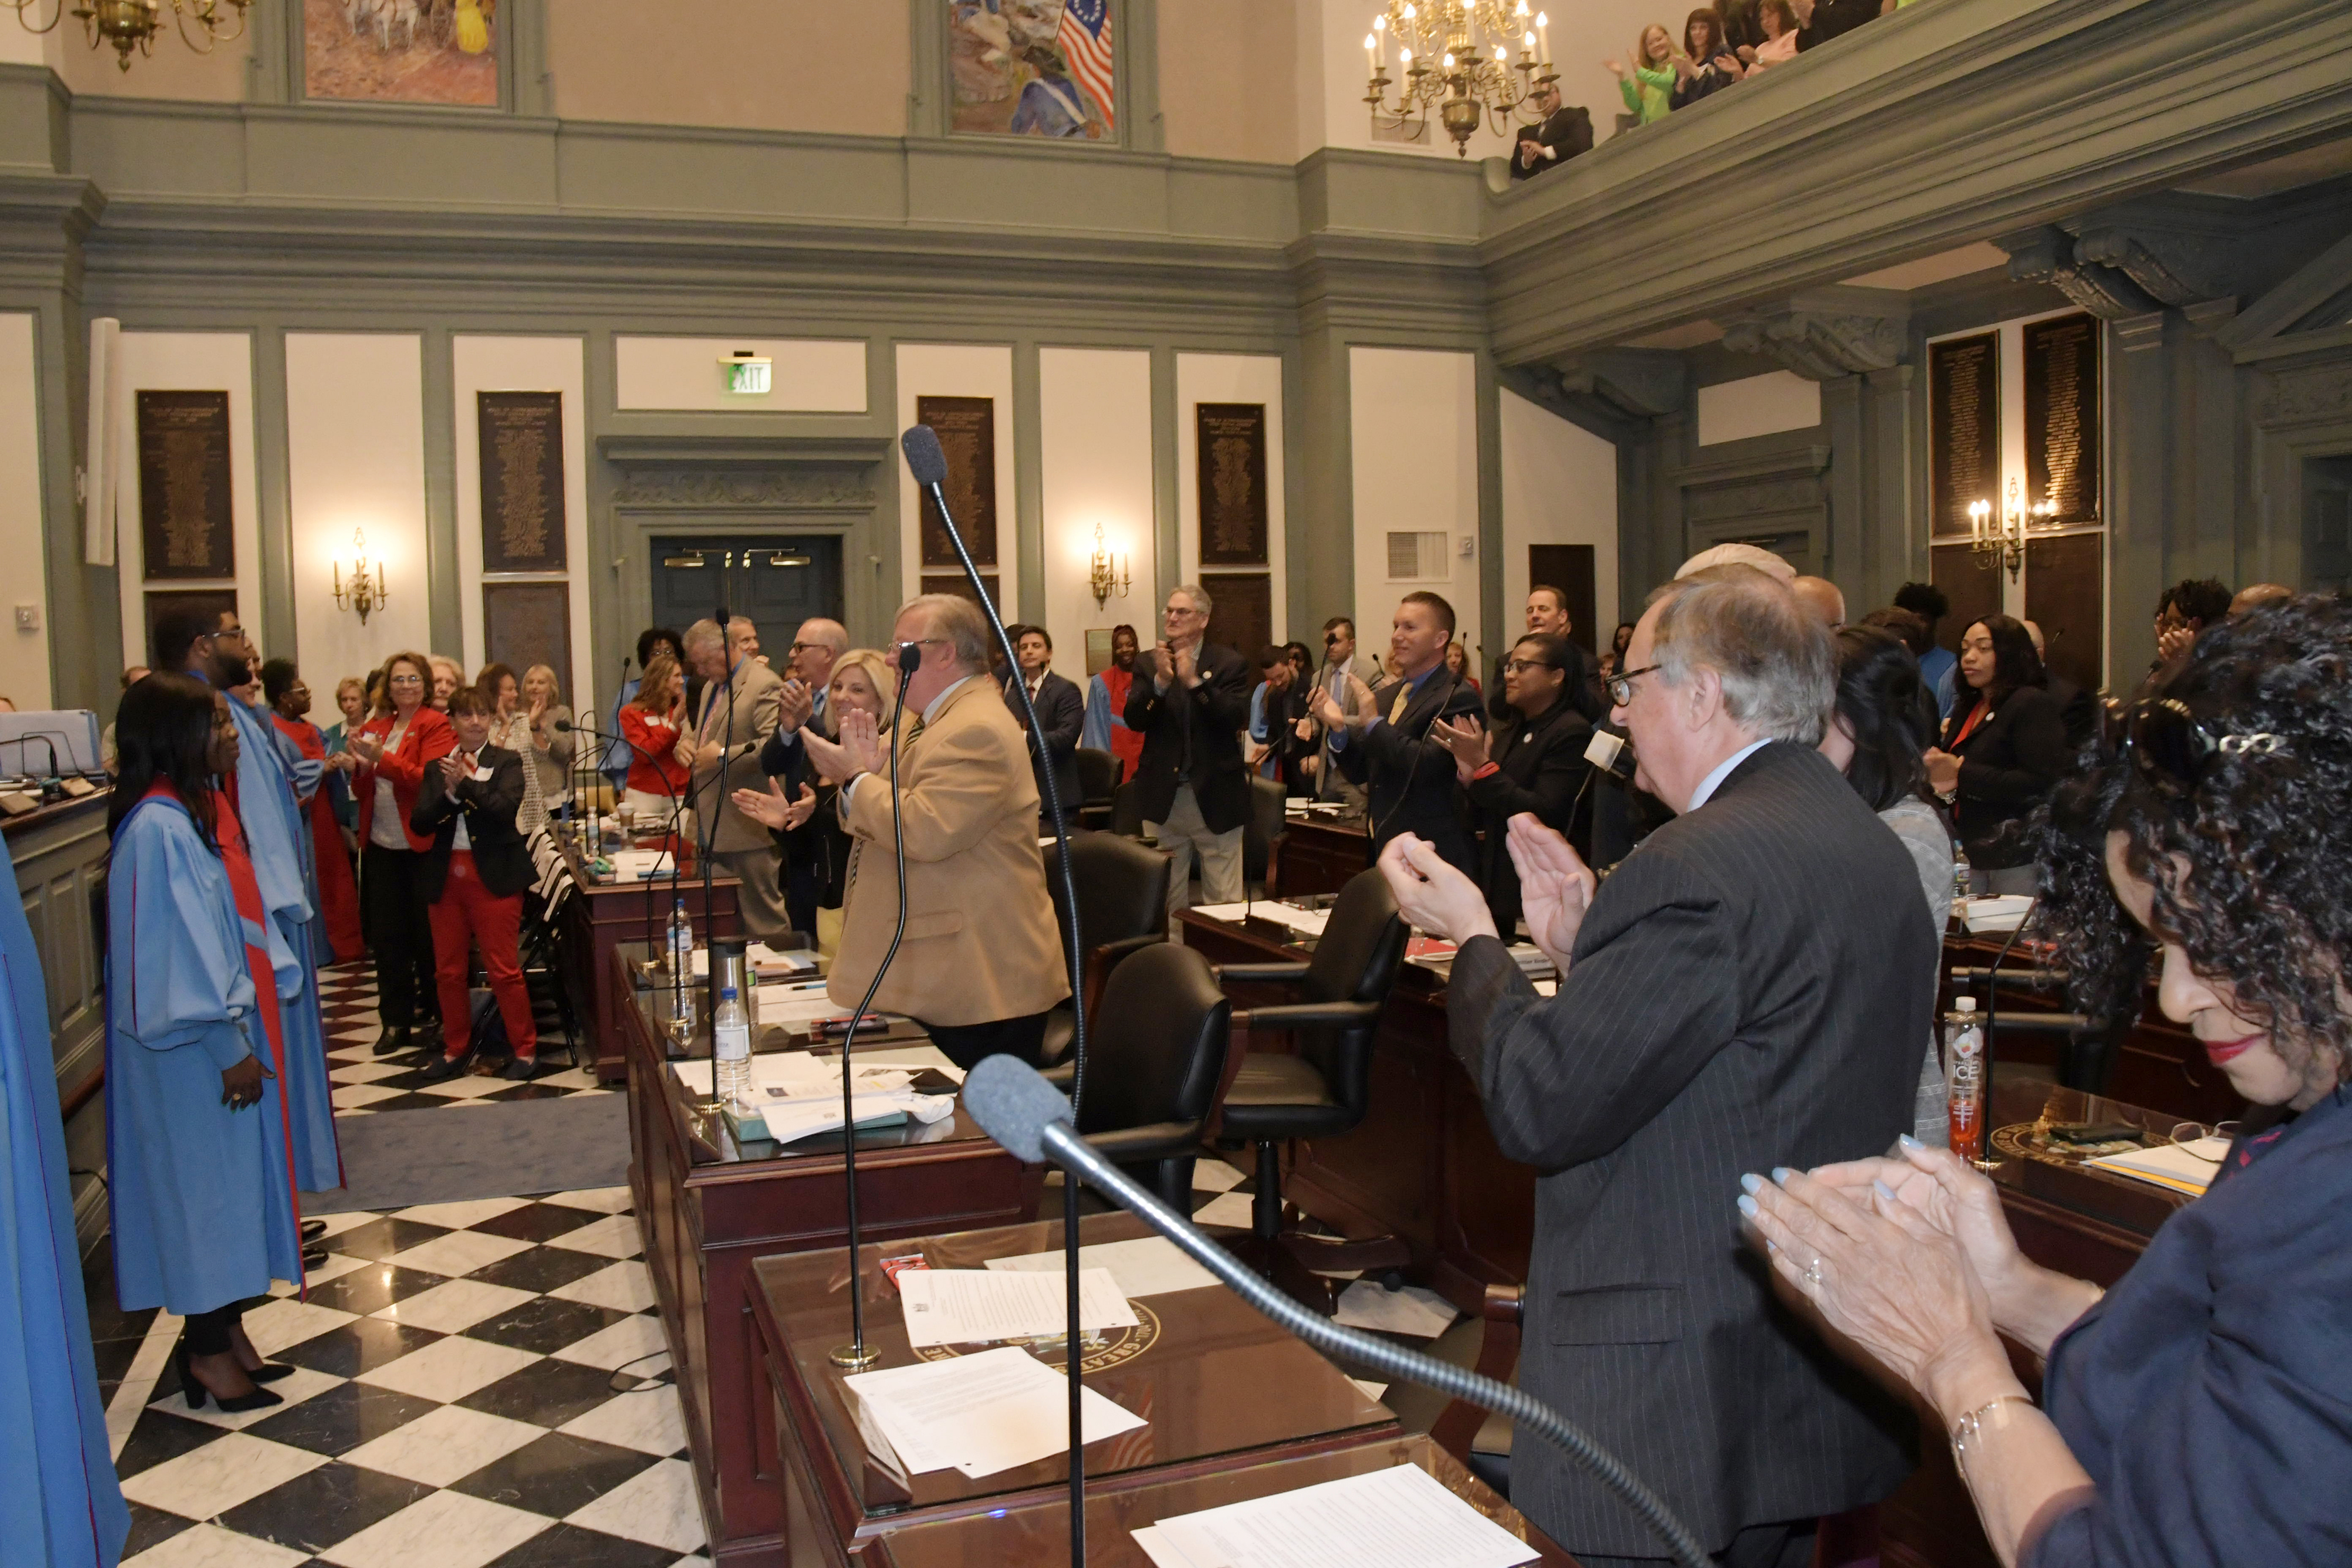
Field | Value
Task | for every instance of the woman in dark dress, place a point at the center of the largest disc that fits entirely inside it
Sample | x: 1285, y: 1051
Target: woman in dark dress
x: 2200, y: 1412
x: 2002, y: 750
x: 811, y: 825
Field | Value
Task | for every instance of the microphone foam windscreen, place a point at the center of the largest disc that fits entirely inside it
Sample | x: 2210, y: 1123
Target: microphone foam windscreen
x: 925, y: 461
x: 1013, y: 1104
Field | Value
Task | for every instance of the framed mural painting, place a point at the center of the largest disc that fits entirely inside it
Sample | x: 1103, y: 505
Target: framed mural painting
x: 443, y: 52
x: 1032, y: 67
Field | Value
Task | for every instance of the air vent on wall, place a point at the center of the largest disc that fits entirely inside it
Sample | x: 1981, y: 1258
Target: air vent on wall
x: 1418, y: 558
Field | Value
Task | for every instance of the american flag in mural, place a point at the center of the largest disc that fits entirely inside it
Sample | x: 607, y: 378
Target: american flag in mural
x: 1085, y: 39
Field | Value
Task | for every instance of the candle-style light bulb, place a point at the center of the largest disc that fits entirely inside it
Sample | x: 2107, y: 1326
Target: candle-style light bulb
x: 1543, y: 37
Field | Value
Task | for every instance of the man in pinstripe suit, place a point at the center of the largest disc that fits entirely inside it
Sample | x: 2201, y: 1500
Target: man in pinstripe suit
x: 1741, y: 995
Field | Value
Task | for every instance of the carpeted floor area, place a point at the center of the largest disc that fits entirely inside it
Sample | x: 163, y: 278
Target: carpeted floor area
x: 562, y: 1144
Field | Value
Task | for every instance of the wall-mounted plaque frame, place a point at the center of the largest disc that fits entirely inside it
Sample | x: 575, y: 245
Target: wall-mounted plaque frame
x: 523, y: 480
x: 1230, y: 438
x: 1963, y: 430
x: 186, y: 526
x: 2063, y: 430
x: 966, y: 427
x: 527, y: 623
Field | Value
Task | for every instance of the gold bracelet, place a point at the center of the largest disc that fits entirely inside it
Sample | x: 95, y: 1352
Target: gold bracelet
x: 1970, y: 1427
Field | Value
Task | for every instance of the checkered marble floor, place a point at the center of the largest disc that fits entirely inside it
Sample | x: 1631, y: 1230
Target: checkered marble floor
x: 479, y: 1385
x: 365, y: 1082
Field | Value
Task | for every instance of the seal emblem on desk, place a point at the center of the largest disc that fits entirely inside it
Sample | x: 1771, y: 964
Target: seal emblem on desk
x: 1104, y: 1348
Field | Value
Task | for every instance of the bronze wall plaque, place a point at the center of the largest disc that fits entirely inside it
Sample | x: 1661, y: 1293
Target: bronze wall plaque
x: 1963, y: 429
x: 966, y: 427
x: 2065, y: 595
x: 523, y: 480
x: 1232, y: 449
x: 210, y: 602
x: 1244, y: 617
x: 527, y: 623
x: 185, y: 520
x: 957, y: 584
x: 1972, y: 582
x: 2062, y: 418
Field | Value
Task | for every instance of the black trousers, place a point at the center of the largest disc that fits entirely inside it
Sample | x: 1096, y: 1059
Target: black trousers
x: 399, y: 928
x: 207, y: 1332
x: 966, y: 1045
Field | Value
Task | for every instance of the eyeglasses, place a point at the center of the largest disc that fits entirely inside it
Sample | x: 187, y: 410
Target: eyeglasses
x: 2185, y: 1133
x: 1180, y: 612
x: 1521, y: 667
x: 1621, y: 687
x: 923, y: 642
x: 405, y: 681
x: 2172, y: 749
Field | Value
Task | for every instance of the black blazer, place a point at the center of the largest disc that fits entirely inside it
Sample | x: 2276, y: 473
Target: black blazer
x: 1193, y: 736
x: 1408, y: 772
x: 2078, y: 711
x: 2007, y: 768
x: 1062, y: 713
x: 1567, y: 130
x: 1748, y: 990
x: 1540, y: 768
x: 488, y: 807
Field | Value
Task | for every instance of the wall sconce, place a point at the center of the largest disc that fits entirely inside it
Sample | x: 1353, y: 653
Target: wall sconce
x: 2001, y: 540
x: 366, y: 589
x: 1105, y: 576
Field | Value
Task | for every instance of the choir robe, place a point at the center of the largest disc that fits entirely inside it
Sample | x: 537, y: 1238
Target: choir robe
x: 59, y: 1501
x: 336, y: 899
x: 201, y: 1196
x: 278, y: 835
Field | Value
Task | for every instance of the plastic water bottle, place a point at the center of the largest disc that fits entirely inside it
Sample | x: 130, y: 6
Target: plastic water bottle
x: 1964, y: 1077
x: 730, y: 1050
x: 1960, y: 880
x: 681, y: 940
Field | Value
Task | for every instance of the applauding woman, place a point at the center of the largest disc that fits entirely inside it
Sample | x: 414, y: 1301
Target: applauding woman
x: 472, y: 878
x: 651, y: 722
x: 810, y: 821
x: 2202, y: 1410
x: 395, y: 752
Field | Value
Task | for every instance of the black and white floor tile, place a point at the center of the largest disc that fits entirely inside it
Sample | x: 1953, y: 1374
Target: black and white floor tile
x: 365, y: 1082
x: 478, y: 1385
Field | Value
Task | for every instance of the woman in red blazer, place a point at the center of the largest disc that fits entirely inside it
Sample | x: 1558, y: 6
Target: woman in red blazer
x: 393, y: 751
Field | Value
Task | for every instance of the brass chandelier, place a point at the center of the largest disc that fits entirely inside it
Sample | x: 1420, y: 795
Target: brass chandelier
x: 131, y: 25
x: 1471, y: 60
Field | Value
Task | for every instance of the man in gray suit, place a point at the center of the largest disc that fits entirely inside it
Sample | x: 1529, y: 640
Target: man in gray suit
x: 1740, y: 996
x: 740, y: 703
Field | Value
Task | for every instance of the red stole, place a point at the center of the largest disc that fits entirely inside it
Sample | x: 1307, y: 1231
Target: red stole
x: 338, y: 898
x: 242, y: 882
x: 1126, y: 743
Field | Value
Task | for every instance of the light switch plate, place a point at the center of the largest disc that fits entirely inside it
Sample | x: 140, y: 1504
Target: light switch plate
x: 28, y: 618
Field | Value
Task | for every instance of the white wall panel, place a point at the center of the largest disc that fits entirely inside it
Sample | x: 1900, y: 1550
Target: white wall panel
x: 355, y: 459
x: 1758, y: 405
x: 1230, y: 378
x: 1559, y: 487
x: 1414, y: 422
x: 1094, y: 408
x: 960, y: 370
x: 812, y: 375
x: 190, y: 362
x: 523, y: 364
x: 24, y: 654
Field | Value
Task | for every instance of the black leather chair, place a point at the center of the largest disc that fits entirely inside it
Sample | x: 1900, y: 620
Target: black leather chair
x: 1098, y: 782
x: 1323, y: 1088
x: 1126, y: 813
x: 1262, y: 835
x: 1122, y: 907
x: 1151, y: 1081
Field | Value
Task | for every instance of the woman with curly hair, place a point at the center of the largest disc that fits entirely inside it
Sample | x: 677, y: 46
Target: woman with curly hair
x: 2201, y: 1411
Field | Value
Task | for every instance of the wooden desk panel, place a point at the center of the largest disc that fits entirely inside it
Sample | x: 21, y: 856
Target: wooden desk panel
x: 1220, y: 1386
x: 1319, y: 855
x: 1039, y: 1532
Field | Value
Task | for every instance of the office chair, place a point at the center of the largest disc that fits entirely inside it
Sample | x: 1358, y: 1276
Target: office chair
x: 1122, y: 907
x: 1261, y: 836
x: 1324, y: 1089
x: 1098, y: 782
x: 1151, y: 1081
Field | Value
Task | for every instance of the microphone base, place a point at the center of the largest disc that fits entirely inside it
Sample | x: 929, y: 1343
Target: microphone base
x: 852, y: 1358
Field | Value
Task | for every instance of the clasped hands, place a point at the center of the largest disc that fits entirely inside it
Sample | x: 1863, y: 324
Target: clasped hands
x: 770, y: 809
x: 1331, y: 715
x: 1555, y: 888
x: 859, y: 748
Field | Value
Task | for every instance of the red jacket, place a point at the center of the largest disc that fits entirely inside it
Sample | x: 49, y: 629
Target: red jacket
x: 429, y: 739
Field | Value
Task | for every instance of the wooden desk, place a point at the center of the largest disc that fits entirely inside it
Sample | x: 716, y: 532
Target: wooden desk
x: 1039, y: 1532
x: 600, y: 916
x: 1319, y: 854
x: 708, y: 1207
x: 1220, y: 1386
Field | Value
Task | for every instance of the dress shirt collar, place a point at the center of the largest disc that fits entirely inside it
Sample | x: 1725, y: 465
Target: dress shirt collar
x: 1713, y: 781
x: 931, y: 709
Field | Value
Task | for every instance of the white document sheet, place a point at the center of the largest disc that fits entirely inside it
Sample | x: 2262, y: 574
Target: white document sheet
x: 1305, y: 921
x: 970, y: 1306
x: 1399, y: 1518
x: 2178, y: 1167
x: 767, y: 960
x: 1413, y: 1310
x: 1149, y: 1266
x: 980, y: 1414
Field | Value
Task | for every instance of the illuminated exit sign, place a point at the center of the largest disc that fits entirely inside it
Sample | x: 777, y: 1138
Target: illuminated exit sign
x: 747, y: 374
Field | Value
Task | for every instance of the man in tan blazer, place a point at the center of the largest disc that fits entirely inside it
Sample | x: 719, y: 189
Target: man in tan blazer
x: 740, y: 697
x: 981, y: 962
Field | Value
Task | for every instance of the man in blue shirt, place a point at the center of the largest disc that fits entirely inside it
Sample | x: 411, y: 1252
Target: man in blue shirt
x: 1925, y: 600
x: 1386, y: 741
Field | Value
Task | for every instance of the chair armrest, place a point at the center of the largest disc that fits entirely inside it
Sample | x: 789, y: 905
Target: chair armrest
x: 1456, y: 1427
x: 1260, y: 972
x: 1110, y: 953
x: 1306, y: 1015
x: 1152, y: 1141
x: 1061, y: 1075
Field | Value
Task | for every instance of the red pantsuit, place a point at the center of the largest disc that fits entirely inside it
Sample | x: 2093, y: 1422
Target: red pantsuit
x: 468, y: 914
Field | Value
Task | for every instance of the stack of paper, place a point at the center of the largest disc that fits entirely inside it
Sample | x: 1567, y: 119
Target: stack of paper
x: 1399, y: 1518
x: 979, y: 1413
x: 1151, y: 1266
x: 981, y: 1306
x: 2005, y: 912
x: 1305, y: 921
x: 2177, y: 1167
x: 639, y: 865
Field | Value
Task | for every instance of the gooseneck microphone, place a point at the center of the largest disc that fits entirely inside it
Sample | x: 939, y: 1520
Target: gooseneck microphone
x: 566, y: 726
x: 1029, y: 1117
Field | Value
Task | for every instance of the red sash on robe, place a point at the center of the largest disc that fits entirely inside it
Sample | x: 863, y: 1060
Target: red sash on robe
x: 247, y: 889
x: 339, y: 898
x: 1126, y: 743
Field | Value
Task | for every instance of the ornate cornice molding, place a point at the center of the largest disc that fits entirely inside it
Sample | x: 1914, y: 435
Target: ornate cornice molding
x: 1830, y: 333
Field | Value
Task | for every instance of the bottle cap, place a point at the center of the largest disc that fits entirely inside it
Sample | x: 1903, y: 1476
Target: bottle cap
x: 1964, y: 1005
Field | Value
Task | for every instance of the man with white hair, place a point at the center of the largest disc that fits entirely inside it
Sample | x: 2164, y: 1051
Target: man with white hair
x: 1762, y: 560
x: 808, y: 671
x: 739, y: 698
x: 1191, y: 703
x: 981, y: 962
x: 1727, y: 1005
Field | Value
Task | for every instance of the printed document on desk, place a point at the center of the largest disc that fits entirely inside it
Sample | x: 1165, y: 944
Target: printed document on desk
x: 973, y: 1306
x: 1399, y: 1518
x: 1305, y: 921
x: 1147, y: 1266
x: 980, y: 1414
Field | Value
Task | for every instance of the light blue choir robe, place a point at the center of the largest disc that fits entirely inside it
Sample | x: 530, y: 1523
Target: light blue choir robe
x: 59, y: 1501
x: 203, y: 1201
x: 278, y: 835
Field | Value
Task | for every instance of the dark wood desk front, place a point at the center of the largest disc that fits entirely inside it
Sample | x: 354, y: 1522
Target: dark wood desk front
x: 1220, y: 1386
x: 601, y: 915
x: 709, y: 1207
x: 1039, y: 1532
x: 1319, y: 854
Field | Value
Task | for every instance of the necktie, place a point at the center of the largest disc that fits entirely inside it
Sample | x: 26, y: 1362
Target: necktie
x: 1396, y: 708
x: 914, y: 734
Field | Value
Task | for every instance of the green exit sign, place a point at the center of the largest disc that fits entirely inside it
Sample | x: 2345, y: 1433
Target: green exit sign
x: 748, y: 375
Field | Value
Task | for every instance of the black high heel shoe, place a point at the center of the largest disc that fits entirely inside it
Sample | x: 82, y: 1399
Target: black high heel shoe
x: 195, y: 1392
x: 269, y: 1372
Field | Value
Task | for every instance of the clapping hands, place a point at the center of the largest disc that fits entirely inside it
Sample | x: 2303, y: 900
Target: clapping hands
x: 1466, y: 741
x: 1556, y: 887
